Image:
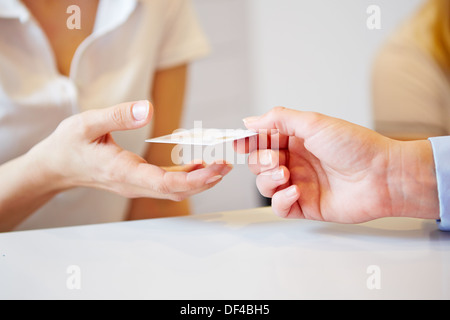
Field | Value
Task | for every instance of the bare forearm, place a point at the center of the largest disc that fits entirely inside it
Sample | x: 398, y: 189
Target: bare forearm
x: 26, y: 188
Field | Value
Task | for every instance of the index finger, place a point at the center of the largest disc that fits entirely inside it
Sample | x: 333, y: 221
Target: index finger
x: 266, y: 139
x: 289, y: 122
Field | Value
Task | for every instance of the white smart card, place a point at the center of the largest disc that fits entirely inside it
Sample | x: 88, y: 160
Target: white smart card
x: 203, y: 137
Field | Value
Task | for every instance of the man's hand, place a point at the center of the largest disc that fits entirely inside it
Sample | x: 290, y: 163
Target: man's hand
x: 323, y: 168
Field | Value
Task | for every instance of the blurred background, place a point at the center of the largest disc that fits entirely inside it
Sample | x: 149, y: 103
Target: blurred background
x: 302, y: 54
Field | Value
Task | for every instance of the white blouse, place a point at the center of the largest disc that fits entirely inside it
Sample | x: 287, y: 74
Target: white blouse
x: 116, y: 63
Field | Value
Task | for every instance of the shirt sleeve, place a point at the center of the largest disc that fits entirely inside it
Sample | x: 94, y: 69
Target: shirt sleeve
x: 409, y: 92
x: 183, y: 39
x: 441, y: 154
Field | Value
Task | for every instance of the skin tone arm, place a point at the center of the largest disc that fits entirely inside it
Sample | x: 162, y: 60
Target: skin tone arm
x: 332, y: 170
x: 82, y: 153
x: 26, y: 191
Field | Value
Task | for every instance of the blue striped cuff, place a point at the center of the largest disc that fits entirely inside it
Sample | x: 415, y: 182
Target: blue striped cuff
x: 441, y: 154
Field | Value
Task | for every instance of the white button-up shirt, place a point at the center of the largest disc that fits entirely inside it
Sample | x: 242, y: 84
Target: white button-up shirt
x: 116, y: 63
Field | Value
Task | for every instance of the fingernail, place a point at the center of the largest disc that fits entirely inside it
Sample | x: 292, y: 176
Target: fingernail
x: 213, y: 179
x: 250, y: 119
x: 291, y: 192
x: 140, y: 110
x: 278, y: 175
x: 265, y: 157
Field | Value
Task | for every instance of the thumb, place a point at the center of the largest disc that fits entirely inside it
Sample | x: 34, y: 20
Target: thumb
x: 124, y: 116
x: 288, y: 122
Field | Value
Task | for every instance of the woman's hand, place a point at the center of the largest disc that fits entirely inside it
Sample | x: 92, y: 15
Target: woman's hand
x: 81, y: 152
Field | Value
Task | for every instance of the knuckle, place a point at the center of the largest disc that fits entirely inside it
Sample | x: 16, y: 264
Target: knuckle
x: 314, y: 116
x: 65, y: 125
x: 80, y: 123
x: 163, y: 190
x: 278, y: 112
x: 278, y: 109
x: 117, y: 116
x: 72, y: 123
x: 314, y: 122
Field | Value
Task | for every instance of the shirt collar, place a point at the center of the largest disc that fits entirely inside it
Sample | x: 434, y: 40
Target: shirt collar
x: 110, y: 13
x: 14, y: 9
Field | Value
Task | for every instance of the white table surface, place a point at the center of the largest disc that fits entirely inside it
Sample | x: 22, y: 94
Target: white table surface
x: 248, y: 254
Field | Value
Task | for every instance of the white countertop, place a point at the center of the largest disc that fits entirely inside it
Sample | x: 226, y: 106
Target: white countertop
x: 248, y: 254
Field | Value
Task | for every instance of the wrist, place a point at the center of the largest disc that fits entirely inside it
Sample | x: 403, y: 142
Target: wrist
x: 412, y: 180
x: 45, y: 173
x: 30, y: 185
